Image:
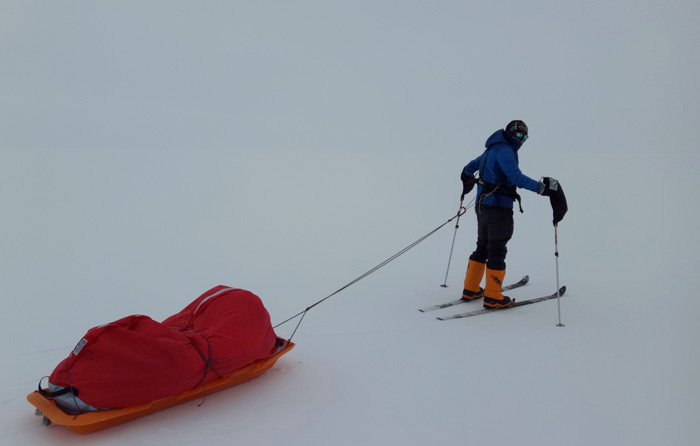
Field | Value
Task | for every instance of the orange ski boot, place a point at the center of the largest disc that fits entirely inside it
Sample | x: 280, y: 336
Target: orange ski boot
x: 475, y: 272
x: 493, y: 298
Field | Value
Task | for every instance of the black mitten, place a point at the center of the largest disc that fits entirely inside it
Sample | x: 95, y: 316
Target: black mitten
x: 552, y: 188
x: 468, y: 182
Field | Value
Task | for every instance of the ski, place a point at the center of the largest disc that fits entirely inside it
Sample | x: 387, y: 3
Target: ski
x: 517, y: 284
x: 518, y: 303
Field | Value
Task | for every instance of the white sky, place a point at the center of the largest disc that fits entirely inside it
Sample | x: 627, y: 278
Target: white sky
x: 339, y: 75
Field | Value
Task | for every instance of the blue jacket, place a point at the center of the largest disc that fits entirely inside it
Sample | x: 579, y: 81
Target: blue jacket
x: 499, y: 165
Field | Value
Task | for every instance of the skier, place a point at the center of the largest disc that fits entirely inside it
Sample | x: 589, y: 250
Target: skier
x: 499, y: 176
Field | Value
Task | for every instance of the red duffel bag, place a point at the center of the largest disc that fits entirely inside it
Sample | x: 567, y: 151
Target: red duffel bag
x: 135, y: 359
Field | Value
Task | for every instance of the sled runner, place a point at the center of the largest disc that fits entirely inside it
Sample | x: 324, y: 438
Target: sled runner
x: 93, y: 421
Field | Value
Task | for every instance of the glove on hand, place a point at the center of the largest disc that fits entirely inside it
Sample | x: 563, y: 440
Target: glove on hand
x: 551, y: 188
x: 468, y: 182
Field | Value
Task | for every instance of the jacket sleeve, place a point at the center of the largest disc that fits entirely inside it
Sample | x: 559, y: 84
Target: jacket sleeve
x: 509, y: 166
x: 473, y: 165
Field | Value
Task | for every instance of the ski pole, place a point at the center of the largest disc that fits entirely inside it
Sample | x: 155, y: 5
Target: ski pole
x: 556, y: 255
x: 461, y: 212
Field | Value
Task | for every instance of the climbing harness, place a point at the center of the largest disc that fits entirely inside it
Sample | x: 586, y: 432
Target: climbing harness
x: 499, y: 189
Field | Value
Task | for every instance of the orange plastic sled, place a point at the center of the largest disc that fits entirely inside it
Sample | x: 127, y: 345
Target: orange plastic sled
x: 94, y: 421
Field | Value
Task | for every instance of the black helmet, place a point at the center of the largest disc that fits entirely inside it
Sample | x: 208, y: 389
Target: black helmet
x: 516, y: 126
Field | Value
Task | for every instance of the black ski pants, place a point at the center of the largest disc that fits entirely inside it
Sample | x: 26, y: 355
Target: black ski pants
x: 495, y: 229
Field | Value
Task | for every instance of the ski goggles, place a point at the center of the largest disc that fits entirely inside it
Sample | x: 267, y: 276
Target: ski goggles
x: 522, y: 136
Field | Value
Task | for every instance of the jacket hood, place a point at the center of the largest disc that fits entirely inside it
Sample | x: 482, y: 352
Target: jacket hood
x: 498, y: 137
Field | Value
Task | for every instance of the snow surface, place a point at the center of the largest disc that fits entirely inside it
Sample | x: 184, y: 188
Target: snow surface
x: 152, y: 150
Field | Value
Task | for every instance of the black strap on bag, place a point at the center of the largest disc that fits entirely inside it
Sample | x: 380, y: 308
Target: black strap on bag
x: 56, y: 393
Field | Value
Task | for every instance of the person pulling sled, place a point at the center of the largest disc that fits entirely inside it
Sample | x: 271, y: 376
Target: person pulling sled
x: 497, y: 184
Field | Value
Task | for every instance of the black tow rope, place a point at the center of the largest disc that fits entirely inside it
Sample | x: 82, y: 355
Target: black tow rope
x: 462, y: 211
